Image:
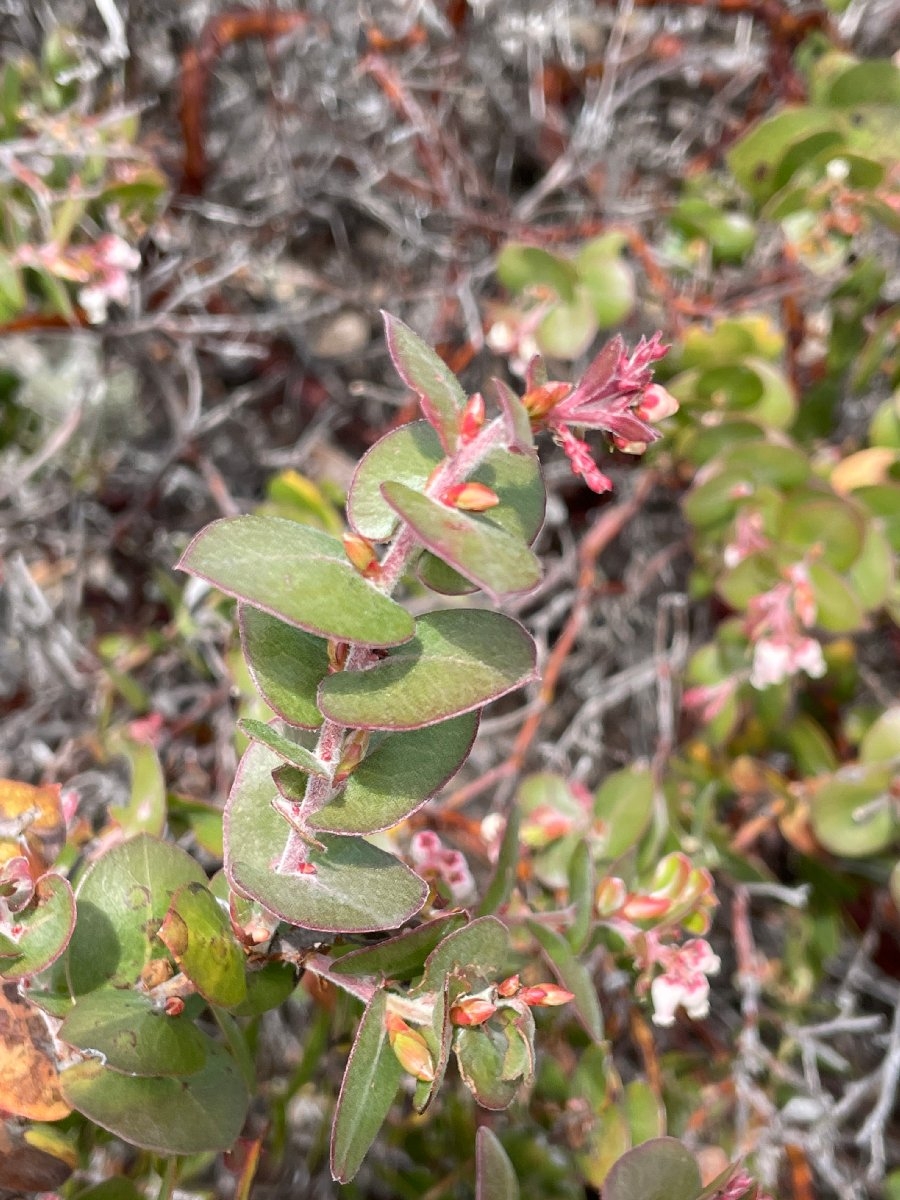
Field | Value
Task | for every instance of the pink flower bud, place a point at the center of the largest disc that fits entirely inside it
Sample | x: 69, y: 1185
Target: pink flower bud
x: 545, y: 995
x: 656, y: 404
x: 472, y: 1010
x: 472, y: 418
x: 509, y: 987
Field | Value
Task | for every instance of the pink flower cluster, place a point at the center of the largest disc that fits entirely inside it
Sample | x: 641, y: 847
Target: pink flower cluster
x: 616, y: 395
x: 775, y: 623
x: 432, y: 859
x: 684, y: 981
x: 102, y: 269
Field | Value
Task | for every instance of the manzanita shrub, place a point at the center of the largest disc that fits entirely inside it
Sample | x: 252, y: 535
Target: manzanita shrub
x: 144, y: 978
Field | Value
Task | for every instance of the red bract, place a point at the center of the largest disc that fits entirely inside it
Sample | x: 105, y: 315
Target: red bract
x: 609, y: 397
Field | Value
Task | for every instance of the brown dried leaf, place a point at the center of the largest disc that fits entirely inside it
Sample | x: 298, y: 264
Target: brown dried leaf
x: 29, y: 1076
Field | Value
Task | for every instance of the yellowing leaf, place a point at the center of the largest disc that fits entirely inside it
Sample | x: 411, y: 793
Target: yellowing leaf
x: 863, y: 469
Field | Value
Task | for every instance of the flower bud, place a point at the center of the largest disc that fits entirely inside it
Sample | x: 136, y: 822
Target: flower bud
x: 656, y: 404
x: 471, y: 497
x: 509, y: 987
x: 472, y: 418
x: 352, y: 754
x: 472, y: 1010
x: 611, y: 896
x: 410, y: 1048
x: 174, y: 1006
x: 541, y: 400
x: 361, y: 553
x: 545, y: 995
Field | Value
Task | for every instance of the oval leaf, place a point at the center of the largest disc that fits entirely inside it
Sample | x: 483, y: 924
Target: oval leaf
x: 498, y: 562
x: 198, y: 935
x: 398, y: 777
x: 203, y: 1112
x: 356, y: 888
x: 286, y: 748
x: 286, y: 664
x: 399, y: 957
x: 661, y: 1169
x: 425, y: 372
x: 298, y: 574
x: 370, y: 1083
x: 133, y: 1035
x: 122, y: 900
x: 458, y: 661
x: 410, y: 454
x: 495, y: 1178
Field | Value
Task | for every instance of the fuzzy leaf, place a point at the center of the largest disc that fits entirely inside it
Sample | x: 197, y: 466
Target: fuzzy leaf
x: 498, y: 562
x: 398, y: 776
x: 357, y: 888
x: 399, y: 957
x: 198, y: 935
x: 286, y: 664
x: 203, y: 1112
x: 409, y: 455
x: 458, y: 661
x: 371, y: 1080
x: 133, y: 1035
x: 661, y: 1169
x: 624, y: 803
x: 425, y: 372
x: 495, y: 1178
x: 298, y: 574
x: 286, y: 748
x: 479, y: 951
x: 122, y: 899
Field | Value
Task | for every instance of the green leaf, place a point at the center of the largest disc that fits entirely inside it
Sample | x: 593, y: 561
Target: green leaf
x: 499, y: 562
x: 203, y: 1112
x: 286, y: 664
x: 371, y: 1080
x: 410, y: 454
x: 397, y: 777
x: 134, y: 1035
x: 267, y: 988
x: 286, y: 748
x: 497, y: 1058
x: 356, y: 888
x: 421, y: 369
x: 520, y: 267
x: 624, y: 804
x: 495, y: 1178
x: 646, y: 1113
x: 478, y: 951
x: 875, y: 81
x: 146, y: 809
x: 573, y: 975
x: 581, y: 897
x: 661, y: 1169
x: 764, y: 160
x: 568, y: 329
x: 298, y: 574
x: 838, y: 608
x: 458, y: 661
x: 881, y: 741
x: 810, y: 520
x: 504, y: 878
x: 47, y: 924
x: 852, y: 813
x: 198, y: 935
x: 400, y: 957
x: 122, y: 899
x: 872, y: 575
x: 608, y: 282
